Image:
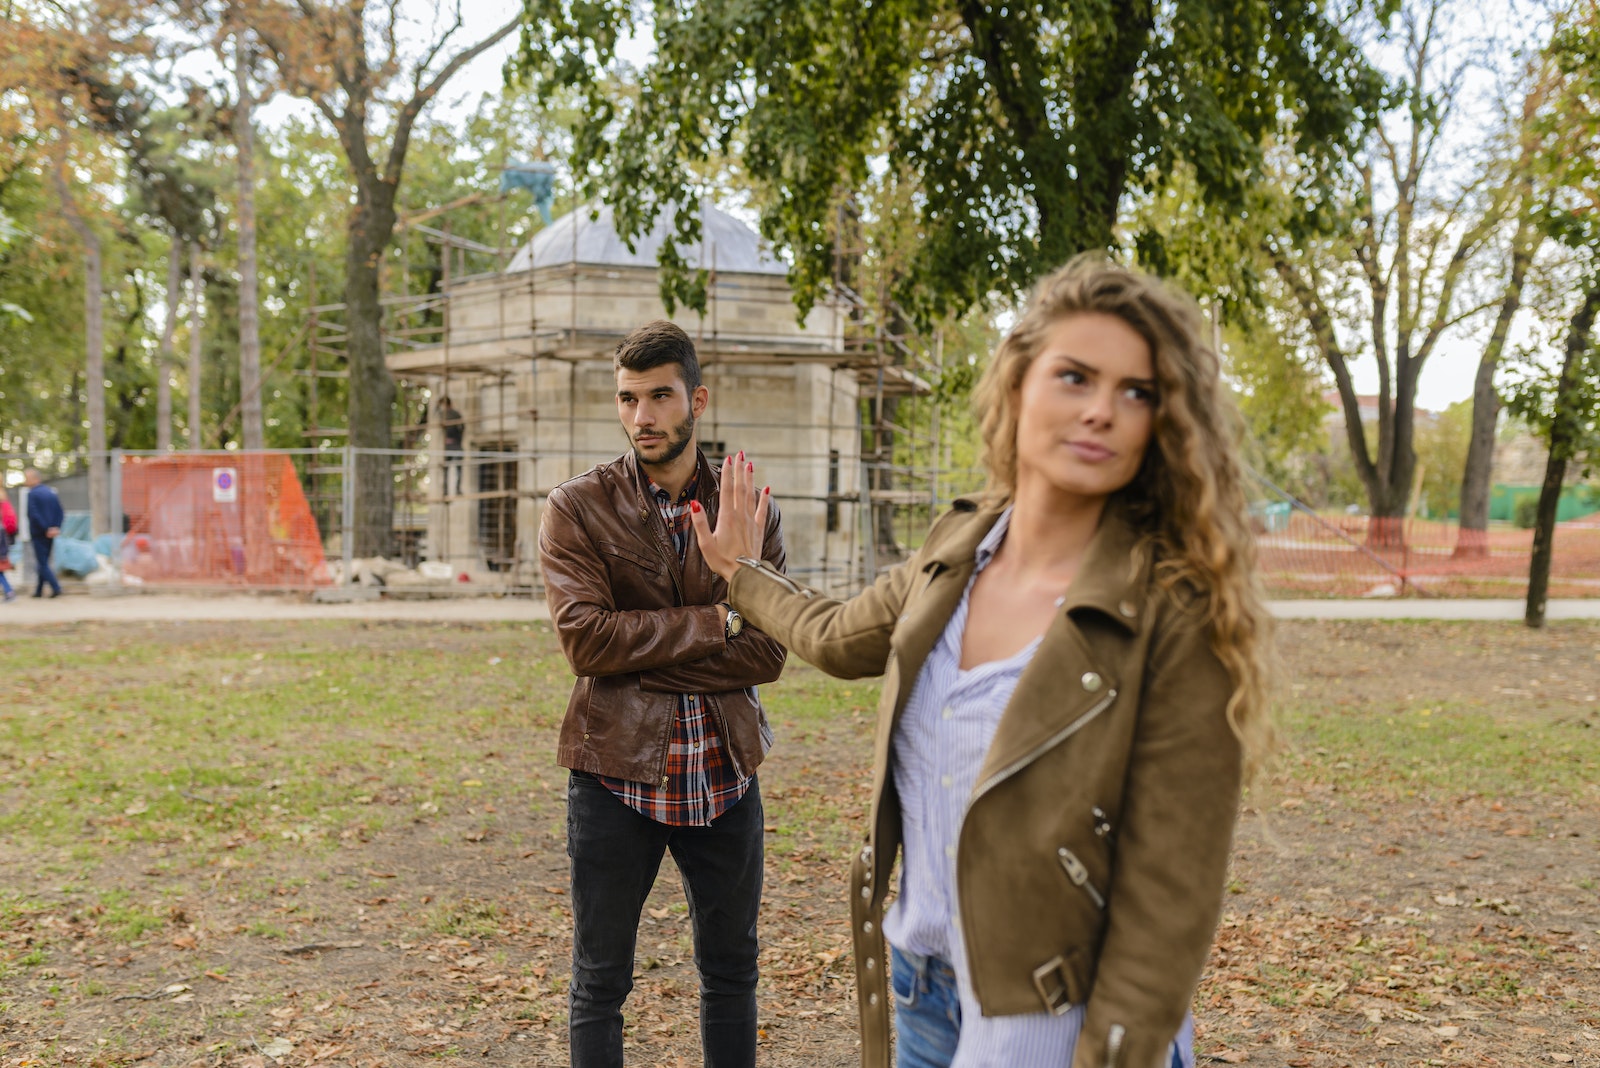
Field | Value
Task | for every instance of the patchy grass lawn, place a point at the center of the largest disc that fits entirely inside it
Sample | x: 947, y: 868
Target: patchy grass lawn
x: 343, y: 843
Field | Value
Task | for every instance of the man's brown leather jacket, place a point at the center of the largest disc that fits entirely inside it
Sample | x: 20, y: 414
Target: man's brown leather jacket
x: 638, y: 629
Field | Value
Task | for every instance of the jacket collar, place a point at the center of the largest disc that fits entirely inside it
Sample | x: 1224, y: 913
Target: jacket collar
x: 705, y: 490
x: 1114, y: 578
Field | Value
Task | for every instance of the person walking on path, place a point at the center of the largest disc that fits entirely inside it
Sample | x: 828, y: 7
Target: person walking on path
x: 664, y: 730
x: 45, y: 517
x: 8, y: 530
x: 1074, y: 689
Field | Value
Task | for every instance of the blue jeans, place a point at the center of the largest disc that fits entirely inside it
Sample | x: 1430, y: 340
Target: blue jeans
x: 616, y: 853
x: 41, y: 556
x: 927, y: 1011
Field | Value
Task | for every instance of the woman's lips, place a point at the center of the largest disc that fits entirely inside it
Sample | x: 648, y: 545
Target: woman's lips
x: 1090, y: 451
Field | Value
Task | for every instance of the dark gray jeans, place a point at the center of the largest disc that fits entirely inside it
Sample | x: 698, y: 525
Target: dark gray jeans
x: 615, y: 854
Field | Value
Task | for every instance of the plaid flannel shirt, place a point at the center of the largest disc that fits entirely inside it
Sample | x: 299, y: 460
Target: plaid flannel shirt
x: 702, y: 782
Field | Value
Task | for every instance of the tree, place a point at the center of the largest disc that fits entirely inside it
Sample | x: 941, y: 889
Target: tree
x: 1526, y: 238
x: 244, y: 140
x: 1567, y: 410
x: 1408, y: 250
x: 343, y: 57
x: 1026, y: 129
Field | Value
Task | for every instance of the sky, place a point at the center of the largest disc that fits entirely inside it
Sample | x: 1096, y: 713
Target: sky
x: 1491, y: 27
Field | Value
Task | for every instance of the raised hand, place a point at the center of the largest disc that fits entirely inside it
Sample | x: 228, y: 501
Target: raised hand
x: 741, y: 518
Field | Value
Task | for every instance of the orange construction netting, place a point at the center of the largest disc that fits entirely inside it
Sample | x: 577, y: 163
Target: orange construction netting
x: 219, y: 521
x: 1301, y: 554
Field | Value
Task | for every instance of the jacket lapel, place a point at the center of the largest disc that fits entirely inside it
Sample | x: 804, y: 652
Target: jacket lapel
x: 1066, y: 683
x: 946, y: 569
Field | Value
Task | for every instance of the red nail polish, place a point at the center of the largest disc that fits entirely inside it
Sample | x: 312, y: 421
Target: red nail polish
x: 694, y: 506
x: 750, y: 468
x: 766, y: 489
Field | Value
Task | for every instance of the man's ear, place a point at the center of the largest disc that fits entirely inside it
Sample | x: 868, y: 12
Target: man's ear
x: 698, y: 401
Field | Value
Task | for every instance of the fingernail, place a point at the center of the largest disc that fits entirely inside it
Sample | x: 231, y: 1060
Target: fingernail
x: 751, y: 468
x: 694, y: 506
x: 766, y: 489
x: 741, y: 454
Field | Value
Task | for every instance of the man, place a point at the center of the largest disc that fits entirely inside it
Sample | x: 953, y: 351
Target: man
x: 44, y: 525
x: 454, y: 433
x: 664, y: 730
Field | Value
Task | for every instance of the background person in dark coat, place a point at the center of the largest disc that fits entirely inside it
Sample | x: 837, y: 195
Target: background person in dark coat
x: 44, y: 523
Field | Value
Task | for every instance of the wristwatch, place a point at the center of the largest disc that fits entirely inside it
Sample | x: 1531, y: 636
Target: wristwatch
x: 734, y: 623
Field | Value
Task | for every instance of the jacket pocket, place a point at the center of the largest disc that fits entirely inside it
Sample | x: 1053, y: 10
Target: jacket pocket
x: 1079, y: 875
x: 647, y: 561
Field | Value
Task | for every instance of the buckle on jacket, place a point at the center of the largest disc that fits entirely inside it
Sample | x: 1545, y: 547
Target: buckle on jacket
x: 1050, y: 979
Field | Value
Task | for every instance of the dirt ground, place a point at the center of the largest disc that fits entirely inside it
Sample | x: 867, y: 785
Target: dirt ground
x: 1366, y: 926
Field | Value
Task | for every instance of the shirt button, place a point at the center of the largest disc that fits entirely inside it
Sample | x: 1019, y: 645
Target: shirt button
x: 947, y: 713
x: 1091, y: 681
x: 945, y: 780
x: 694, y: 745
x: 950, y: 851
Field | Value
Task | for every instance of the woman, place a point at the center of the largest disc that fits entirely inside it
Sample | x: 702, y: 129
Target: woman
x: 1073, y: 692
x: 8, y: 530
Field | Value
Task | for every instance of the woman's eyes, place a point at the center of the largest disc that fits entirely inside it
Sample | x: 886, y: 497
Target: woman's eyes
x: 1137, y: 394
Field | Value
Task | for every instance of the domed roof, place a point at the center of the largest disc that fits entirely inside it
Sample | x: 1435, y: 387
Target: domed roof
x: 575, y: 238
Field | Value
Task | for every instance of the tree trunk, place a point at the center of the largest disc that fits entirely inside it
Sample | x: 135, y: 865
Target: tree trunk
x: 164, y: 360
x: 244, y: 137
x: 1564, y: 432
x: 95, y: 362
x: 372, y: 388
x: 195, y: 351
x: 1472, y: 539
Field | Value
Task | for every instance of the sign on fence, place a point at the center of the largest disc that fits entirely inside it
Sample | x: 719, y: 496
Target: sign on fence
x: 224, y: 485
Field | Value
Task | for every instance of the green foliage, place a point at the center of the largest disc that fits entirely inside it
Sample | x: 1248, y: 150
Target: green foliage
x: 1564, y: 409
x: 1441, y: 443
x: 1525, y: 512
x: 1022, y: 129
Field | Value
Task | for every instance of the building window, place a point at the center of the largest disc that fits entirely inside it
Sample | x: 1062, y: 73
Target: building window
x: 497, y: 509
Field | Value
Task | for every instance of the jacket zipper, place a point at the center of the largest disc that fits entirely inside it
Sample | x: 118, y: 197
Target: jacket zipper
x: 1080, y: 875
x: 1049, y: 743
x: 655, y: 539
x: 781, y: 579
x: 1114, y: 1045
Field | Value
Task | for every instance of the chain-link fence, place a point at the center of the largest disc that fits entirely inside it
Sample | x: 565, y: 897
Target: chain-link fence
x: 466, y: 522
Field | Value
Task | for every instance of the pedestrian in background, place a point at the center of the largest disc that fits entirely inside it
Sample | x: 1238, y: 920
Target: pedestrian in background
x: 8, y: 530
x: 45, y: 517
x: 1074, y: 689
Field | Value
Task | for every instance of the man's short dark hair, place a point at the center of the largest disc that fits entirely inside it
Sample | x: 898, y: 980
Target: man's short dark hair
x: 656, y: 344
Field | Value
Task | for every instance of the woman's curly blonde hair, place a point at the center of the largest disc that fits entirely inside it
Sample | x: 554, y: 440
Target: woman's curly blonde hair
x: 1188, y: 495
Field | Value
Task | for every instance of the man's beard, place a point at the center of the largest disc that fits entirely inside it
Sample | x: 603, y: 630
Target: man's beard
x: 678, y: 439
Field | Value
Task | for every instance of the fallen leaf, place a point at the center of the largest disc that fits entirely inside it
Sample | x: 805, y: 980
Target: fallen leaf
x: 277, y: 1048
x: 1446, y: 1031
x: 1561, y: 1058
x: 659, y: 914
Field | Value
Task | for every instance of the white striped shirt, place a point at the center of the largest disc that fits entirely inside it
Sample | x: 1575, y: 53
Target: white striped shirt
x: 939, y: 746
